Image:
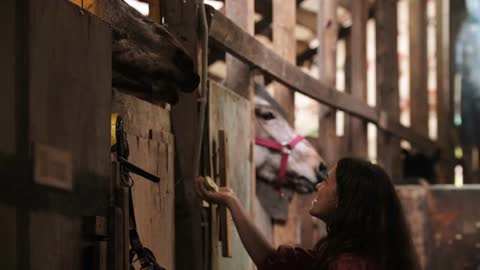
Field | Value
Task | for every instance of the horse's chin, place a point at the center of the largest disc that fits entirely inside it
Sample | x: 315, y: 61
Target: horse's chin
x: 297, y: 183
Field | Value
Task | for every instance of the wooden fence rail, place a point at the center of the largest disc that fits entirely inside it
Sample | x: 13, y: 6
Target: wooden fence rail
x: 227, y: 35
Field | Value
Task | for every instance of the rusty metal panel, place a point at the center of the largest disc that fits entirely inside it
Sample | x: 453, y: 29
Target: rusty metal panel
x: 445, y: 225
x: 454, y: 215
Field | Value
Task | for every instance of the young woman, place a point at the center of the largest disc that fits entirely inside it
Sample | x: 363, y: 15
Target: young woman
x: 366, y: 228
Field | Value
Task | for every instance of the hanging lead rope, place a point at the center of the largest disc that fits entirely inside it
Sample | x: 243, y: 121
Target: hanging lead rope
x: 203, y: 91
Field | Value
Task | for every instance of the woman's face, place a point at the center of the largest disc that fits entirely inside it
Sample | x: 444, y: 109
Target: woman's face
x: 325, y: 202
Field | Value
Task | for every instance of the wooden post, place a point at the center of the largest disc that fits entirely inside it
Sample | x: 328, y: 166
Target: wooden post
x: 387, y: 83
x: 346, y: 140
x: 443, y: 90
x: 327, y: 32
x: 238, y: 74
x: 240, y: 78
x: 359, y: 73
x: 182, y: 19
x: 418, y: 66
x: 284, y: 43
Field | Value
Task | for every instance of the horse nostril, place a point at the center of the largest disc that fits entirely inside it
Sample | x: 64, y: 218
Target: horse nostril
x: 322, y: 172
x: 322, y: 167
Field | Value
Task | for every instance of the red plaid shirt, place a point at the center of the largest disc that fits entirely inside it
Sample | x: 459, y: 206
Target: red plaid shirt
x: 294, y: 258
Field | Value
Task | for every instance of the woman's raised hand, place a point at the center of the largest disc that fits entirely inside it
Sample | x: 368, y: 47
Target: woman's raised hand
x: 223, y: 196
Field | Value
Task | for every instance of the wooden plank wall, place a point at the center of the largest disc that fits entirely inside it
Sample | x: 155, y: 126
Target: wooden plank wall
x: 70, y: 110
x: 151, y: 148
x: 224, y: 106
x: 60, y: 97
x: 387, y: 76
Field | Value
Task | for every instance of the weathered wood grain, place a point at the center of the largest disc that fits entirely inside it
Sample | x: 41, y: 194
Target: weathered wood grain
x: 387, y: 75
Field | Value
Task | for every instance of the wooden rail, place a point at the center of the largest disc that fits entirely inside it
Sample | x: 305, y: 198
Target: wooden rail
x: 227, y: 35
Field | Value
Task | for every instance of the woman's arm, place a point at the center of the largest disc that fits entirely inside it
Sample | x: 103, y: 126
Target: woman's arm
x: 255, y: 243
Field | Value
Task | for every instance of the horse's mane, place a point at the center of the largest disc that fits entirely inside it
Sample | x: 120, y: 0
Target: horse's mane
x: 261, y: 92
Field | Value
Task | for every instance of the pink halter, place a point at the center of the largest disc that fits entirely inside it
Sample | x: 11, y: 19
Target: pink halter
x: 285, y: 149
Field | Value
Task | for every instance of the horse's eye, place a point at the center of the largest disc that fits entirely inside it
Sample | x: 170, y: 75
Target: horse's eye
x: 268, y: 116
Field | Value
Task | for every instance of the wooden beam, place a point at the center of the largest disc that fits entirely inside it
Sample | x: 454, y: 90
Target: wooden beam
x: 327, y: 72
x: 359, y: 11
x: 418, y: 66
x: 443, y: 90
x: 231, y: 38
x: 388, y: 98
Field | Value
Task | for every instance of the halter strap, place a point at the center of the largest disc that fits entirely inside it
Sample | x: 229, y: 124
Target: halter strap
x: 285, y: 149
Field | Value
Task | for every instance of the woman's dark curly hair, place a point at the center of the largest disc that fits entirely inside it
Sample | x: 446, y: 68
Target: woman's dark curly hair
x: 369, y: 220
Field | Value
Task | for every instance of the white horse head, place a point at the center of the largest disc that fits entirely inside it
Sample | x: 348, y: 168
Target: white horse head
x: 304, y: 166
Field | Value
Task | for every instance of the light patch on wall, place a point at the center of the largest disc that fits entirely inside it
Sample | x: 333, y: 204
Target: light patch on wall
x: 458, y: 152
x: 139, y: 6
x: 340, y: 84
x: 215, y: 4
x: 404, y: 61
x: 458, y: 176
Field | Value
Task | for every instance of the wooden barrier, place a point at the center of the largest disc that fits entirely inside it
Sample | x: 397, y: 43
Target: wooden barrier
x: 234, y: 40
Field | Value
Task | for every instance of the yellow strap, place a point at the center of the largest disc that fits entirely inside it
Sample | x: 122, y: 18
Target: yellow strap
x: 113, y: 129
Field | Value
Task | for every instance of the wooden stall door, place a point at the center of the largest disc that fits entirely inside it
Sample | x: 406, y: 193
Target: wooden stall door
x: 231, y: 112
x: 151, y: 148
x: 56, y: 94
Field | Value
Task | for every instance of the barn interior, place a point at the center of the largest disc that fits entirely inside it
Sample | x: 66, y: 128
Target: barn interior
x: 111, y: 109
